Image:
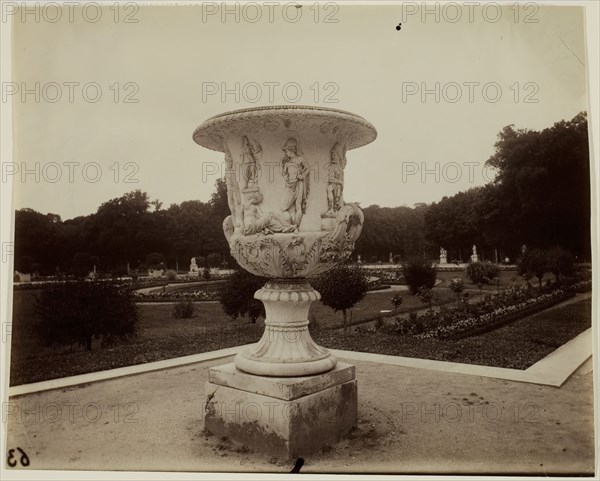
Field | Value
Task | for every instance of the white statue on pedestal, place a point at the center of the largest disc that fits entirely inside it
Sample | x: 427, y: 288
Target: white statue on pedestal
x: 194, y: 267
x: 474, y: 257
x: 443, y: 256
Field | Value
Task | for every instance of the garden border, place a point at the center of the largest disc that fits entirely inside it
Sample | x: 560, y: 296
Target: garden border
x: 553, y: 370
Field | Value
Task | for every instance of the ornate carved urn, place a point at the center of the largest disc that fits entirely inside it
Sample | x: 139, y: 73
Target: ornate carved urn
x: 284, y: 170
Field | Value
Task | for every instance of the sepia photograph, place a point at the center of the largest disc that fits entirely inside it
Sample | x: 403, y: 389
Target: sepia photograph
x: 280, y: 238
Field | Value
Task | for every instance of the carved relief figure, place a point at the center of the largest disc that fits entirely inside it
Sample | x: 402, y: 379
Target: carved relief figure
x: 295, y: 172
x: 257, y: 222
x: 234, y: 199
x: 251, y: 154
x: 350, y: 219
x: 335, y: 178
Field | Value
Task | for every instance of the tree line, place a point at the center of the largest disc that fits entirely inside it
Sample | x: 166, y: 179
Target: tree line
x: 540, y: 197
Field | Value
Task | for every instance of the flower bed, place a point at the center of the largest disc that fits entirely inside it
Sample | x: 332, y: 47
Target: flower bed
x: 492, y: 315
x: 196, y: 295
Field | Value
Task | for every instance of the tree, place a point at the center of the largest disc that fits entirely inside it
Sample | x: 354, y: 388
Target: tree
x: 341, y: 288
x: 543, y: 181
x: 535, y: 261
x: 237, y: 295
x: 457, y: 286
x: 83, y: 311
x: 560, y: 262
x: 418, y: 272
x: 213, y: 259
x: 155, y: 260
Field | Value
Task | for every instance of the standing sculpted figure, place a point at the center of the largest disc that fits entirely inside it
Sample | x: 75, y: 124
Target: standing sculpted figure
x: 234, y: 199
x: 250, y: 156
x: 295, y: 172
x: 335, y: 178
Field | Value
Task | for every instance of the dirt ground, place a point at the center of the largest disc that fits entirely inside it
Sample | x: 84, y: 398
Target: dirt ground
x: 410, y: 421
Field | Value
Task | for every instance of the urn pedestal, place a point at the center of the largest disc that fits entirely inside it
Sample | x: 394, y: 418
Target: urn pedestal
x: 289, y: 221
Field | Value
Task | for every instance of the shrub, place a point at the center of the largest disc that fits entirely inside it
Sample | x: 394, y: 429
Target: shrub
x: 419, y: 272
x: 171, y: 275
x: 82, y: 311
x: 341, y: 288
x: 206, y: 273
x: 482, y: 272
x: 397, y: 300
x: 183, y: 310
x: 560, y: 262
x: 237, y: 295
x: 457, y: 286
x: 397, y: 259
x: 536, y: 262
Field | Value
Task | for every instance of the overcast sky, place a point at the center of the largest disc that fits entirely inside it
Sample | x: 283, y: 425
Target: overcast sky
x: 173, y: 59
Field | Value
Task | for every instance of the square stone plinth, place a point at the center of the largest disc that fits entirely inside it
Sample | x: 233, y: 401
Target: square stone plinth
x: 279, y: 416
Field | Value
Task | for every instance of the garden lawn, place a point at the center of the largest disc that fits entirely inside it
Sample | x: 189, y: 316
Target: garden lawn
x: 371, y: 306
x: 518, y: 345
x: 161, y: 337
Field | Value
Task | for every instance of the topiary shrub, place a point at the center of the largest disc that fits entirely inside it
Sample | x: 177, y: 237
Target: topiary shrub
x: 560, y: 262
x: 536, y: 262
x: 482, y: 272
x: 237, y: 295
x: 82, y: 311
x: 183, y: 310
x: 341, y: 288
x: 171, y: 275
x: 419, y: 272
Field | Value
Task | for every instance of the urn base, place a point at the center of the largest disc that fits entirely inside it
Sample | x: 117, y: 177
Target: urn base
x: 282, y: 417
x: 286, y: 347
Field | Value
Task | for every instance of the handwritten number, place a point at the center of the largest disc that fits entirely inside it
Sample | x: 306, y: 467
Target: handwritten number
x: 11, y: 460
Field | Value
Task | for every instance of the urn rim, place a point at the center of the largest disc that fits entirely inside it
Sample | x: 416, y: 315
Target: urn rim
x: 202, y: 134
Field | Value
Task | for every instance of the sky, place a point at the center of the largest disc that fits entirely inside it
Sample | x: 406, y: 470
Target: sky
x: 438, y: 92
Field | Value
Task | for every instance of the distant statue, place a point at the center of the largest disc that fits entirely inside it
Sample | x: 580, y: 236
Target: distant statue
x: 443, y: 256
x: 251, y: 152
x: 335, y: 178
x: 474, y: 257
x: 295, y: 172
x: 257, y: 222
x: 359, y: 261
x: 474, y: 250
x: 523, y: 249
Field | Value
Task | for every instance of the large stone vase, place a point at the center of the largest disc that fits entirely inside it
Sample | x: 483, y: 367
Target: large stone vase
x: 284, y: 170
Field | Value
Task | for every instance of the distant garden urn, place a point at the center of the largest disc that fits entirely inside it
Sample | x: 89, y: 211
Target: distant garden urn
x: 284, y: 171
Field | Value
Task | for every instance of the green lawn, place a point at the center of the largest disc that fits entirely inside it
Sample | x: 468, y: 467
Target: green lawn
x: 161, y: 337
